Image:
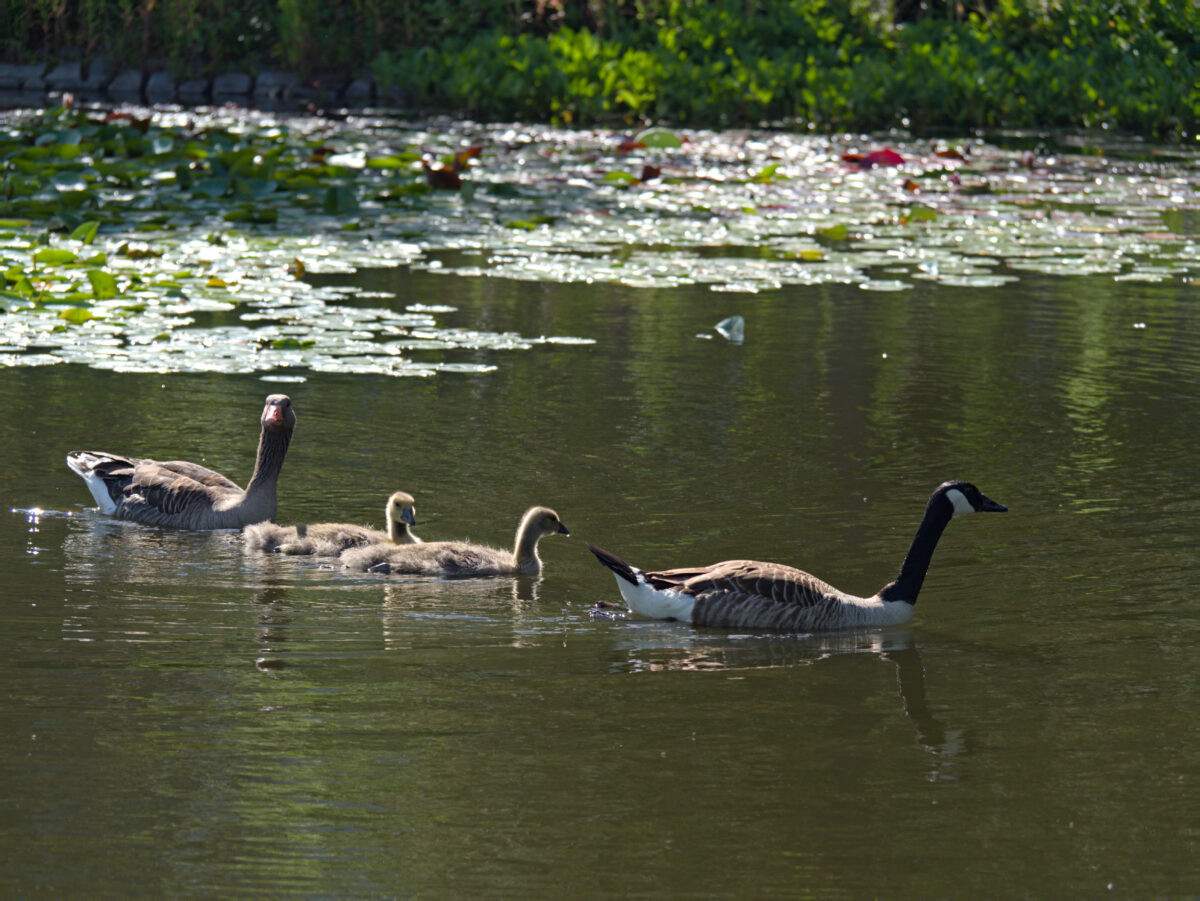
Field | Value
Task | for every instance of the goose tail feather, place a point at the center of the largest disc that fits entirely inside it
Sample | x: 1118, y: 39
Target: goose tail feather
x: 616, y: 564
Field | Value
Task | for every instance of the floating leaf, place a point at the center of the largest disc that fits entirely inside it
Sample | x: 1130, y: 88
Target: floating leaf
x: 76, y: 315
x: 257, y: 214
x: 619, y: 177
x: 340, y: 199
x: 393, y: 161
x: 444, y: 178
x: 837, y: 232
x: 884, y: 157
x: 138, y: 252
x: 85, y: 232
x: 767, y: 174
x: 104, y: 284
x: 212, y: 187
x: 919, y: 213
x: 215, y: 282
x: 659, y: 138
x: 54, y: 256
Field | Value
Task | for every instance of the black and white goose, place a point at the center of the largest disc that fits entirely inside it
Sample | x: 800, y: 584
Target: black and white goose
x: 747, y: 594
x: 187, y: 495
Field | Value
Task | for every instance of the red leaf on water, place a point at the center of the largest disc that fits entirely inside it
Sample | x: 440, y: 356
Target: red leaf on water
x: 464, y: 156
x: 950, y: 154
x: 884, y: 157
x: 649, y: 172
x: 441, y: 177
x: 630, y: 144
x: 910, y: 185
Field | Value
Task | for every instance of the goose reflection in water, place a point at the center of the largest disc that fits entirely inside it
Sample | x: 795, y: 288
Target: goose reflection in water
x: 655, y: 647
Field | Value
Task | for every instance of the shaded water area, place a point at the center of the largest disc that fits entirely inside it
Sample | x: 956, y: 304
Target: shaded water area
x: 183, y: 719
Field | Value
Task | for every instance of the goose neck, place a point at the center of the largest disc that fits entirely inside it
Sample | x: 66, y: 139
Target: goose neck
x: 272, y: 448
x: 907, y: 585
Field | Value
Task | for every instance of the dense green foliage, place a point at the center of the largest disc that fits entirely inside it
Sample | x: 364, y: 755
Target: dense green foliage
x: 1132, y: 65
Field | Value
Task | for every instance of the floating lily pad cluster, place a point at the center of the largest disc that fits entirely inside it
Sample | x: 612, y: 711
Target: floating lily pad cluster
x: 180, y: 241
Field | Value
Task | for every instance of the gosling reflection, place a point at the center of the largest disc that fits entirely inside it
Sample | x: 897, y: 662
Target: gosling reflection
x: 272, y: 633
x: 409, y: 603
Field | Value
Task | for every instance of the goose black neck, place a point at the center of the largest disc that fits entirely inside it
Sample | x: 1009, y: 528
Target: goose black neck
x: 912, y: 572
x: 272, y: 448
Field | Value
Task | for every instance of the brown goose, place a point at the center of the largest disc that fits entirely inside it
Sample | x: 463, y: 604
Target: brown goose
x: 328, y: 539
x: 187, y: 495
x: 749, y: 594
x: 460, y: 558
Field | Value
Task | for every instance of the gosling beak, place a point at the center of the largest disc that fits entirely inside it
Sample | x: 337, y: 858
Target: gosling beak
x: 409, y: 516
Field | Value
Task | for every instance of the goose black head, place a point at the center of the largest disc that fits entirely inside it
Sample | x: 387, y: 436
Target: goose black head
x: 402, y: 507
x: 966, y: 498
x: 278, y: 413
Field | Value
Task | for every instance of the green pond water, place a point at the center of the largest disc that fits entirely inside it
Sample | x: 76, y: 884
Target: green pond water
x: 183, y: 719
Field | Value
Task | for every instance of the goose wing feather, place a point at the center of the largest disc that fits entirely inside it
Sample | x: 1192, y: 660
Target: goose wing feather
x: 753, y: 594
x: 159, y: 496
x: 196, y: 472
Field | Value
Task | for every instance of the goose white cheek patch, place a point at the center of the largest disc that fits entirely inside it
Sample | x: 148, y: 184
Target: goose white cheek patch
x: 960, y: 502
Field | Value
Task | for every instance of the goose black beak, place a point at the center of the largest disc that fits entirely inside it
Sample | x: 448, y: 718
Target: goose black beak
x: 990, y: 506
x: 408, y: 516
x: 563, y: 530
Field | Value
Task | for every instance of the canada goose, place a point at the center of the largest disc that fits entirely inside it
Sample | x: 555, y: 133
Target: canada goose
x: 187, y: 495
x: 460, y: 558
x: 328, y: 539
x: 749, y: 594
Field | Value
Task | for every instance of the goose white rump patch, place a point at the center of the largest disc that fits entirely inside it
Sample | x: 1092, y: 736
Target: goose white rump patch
x: 655, y: 603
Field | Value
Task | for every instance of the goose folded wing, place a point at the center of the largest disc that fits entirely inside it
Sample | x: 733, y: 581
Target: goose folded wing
x: 201, y: 474
x: 748, y: 579
x: 156, y: 489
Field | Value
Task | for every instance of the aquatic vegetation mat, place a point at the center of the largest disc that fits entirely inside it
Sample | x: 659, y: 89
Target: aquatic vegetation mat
x: 177, y: 241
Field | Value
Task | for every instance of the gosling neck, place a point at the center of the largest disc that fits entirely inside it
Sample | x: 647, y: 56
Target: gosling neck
x: 525, y: 555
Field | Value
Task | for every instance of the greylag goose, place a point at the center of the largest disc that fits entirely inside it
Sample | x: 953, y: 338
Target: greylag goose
x: 329, y: 539
x: 460, y: 558
x: 749, y: 594
x: 187, y: 495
